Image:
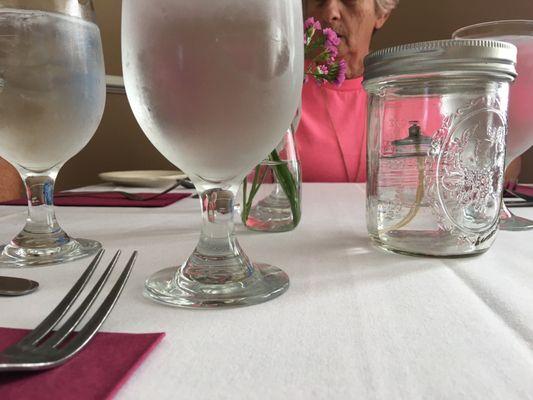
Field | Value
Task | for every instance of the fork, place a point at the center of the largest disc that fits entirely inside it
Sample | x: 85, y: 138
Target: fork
x: 528, y: 200
x: 44, y: 349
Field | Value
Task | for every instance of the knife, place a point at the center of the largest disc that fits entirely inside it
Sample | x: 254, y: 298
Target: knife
x: 10, y: 286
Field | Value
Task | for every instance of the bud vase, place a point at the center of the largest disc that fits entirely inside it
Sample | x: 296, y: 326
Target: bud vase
x: 272, y: 190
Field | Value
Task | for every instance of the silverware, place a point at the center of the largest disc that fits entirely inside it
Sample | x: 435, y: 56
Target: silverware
x: 44, y: 349
x: 10, y: 286
x: 519, y: 204
x: 527, y: 200
x: 519, y: 195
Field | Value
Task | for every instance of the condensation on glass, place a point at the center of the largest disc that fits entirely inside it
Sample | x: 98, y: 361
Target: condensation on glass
x: 437, y: 120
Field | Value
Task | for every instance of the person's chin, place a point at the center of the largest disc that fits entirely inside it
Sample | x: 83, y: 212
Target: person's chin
x: 343, y: 49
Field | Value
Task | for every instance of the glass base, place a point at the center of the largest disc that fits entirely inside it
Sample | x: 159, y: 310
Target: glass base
x: 515, y: 223
x: 272, y: 214
x: 169, y: 287
x: 13, y: 256
x: 428, y: 244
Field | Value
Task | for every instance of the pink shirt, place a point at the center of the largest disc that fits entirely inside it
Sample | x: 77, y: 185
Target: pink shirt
x: 331, y: 136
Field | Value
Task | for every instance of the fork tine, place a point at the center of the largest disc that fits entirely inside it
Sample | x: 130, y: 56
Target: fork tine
x: 88, y: 331
x: 61, y: 309
x: 59, y: 336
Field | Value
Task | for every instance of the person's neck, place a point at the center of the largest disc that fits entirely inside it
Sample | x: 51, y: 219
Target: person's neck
x: 354, y: 67
x: 354, y: 70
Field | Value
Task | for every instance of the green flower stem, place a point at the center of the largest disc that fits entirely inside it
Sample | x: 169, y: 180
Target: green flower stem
x: 288, y: 184
x: 284, y: 178
x: 256, y: 184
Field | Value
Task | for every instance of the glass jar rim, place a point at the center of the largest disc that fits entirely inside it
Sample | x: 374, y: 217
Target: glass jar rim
x: 495, y: 29
x: 453, y: 57
x: 83, y: 9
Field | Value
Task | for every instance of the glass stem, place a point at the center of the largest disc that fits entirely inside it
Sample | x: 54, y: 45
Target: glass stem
x: 218, y: 257
x: 41, y: 227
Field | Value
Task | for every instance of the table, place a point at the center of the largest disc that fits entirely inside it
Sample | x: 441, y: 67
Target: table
x: 356, y: 323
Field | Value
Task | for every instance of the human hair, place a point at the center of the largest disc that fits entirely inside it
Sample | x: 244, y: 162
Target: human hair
x: 385, y: 6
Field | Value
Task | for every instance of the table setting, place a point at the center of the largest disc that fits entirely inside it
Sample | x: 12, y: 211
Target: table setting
x: 356, y: 321
x: 414, y: 285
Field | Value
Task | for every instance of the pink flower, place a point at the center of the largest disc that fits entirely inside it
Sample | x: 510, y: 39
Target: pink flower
x: 332, y: 50
x: 322, y: 69
x: 321, y: 52
x: 341, y: 73
x: 311, y: 23
x: 331, y: 37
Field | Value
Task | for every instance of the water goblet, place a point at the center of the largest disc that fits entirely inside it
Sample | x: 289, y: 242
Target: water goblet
x: 52, y: 96
x: 214, y: 86
x: 520, y: 132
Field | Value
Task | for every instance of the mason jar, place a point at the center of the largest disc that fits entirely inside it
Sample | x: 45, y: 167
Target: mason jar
x: 437, y: 121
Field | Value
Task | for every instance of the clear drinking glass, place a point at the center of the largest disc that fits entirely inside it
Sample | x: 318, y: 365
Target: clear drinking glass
x: 214, y: 86
x: 52, y: 96
x: 520, y: 133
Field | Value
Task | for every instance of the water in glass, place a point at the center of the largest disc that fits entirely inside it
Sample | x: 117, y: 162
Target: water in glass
x: 520, y: 133
x: 214, y: 85
x: 52, y: 96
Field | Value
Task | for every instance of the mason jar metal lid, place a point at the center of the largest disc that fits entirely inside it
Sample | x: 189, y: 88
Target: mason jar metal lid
x: 83, y: 9
x: 443, y: 57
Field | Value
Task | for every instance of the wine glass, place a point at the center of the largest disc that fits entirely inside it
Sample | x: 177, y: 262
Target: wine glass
x: 52, y: 95
x: 214, y: 85
x: 520, y: 132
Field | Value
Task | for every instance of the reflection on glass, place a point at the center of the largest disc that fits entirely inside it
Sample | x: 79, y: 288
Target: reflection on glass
x: 520, y: 132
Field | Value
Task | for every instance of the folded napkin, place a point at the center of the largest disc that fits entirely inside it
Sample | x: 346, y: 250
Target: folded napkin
x: 96, y: 372
x: 525, y: 190
x: 513, y: 190
x: 107, y: 199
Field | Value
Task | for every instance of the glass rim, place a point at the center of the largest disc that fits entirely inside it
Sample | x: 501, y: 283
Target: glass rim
x: 82, y: 9
x: 494, y: 29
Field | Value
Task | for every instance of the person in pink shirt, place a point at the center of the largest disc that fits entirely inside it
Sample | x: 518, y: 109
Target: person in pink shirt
x: 10, y: 182
x: 331, y: 136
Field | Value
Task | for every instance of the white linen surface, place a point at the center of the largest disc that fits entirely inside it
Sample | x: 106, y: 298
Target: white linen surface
x: 356, y: 323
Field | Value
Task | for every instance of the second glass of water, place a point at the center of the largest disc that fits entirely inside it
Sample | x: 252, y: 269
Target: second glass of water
x: 520, y: 134
x: 52, y: 96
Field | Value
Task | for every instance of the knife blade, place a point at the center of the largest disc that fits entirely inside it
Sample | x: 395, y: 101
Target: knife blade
x: 10, y: 286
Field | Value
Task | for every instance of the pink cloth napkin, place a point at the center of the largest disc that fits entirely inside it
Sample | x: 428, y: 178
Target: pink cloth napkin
x: 96, y: 372
x: 107, y: 199
x: 527, y: 190
x: 520, y: 189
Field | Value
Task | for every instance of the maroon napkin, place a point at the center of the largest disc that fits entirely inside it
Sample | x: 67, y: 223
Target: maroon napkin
x: 519, y: 189
x: 526, y: 190
x: 96, y: 372
x: 107, y: 199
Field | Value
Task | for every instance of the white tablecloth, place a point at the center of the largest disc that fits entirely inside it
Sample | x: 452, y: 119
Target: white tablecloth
x: 356, y: 323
